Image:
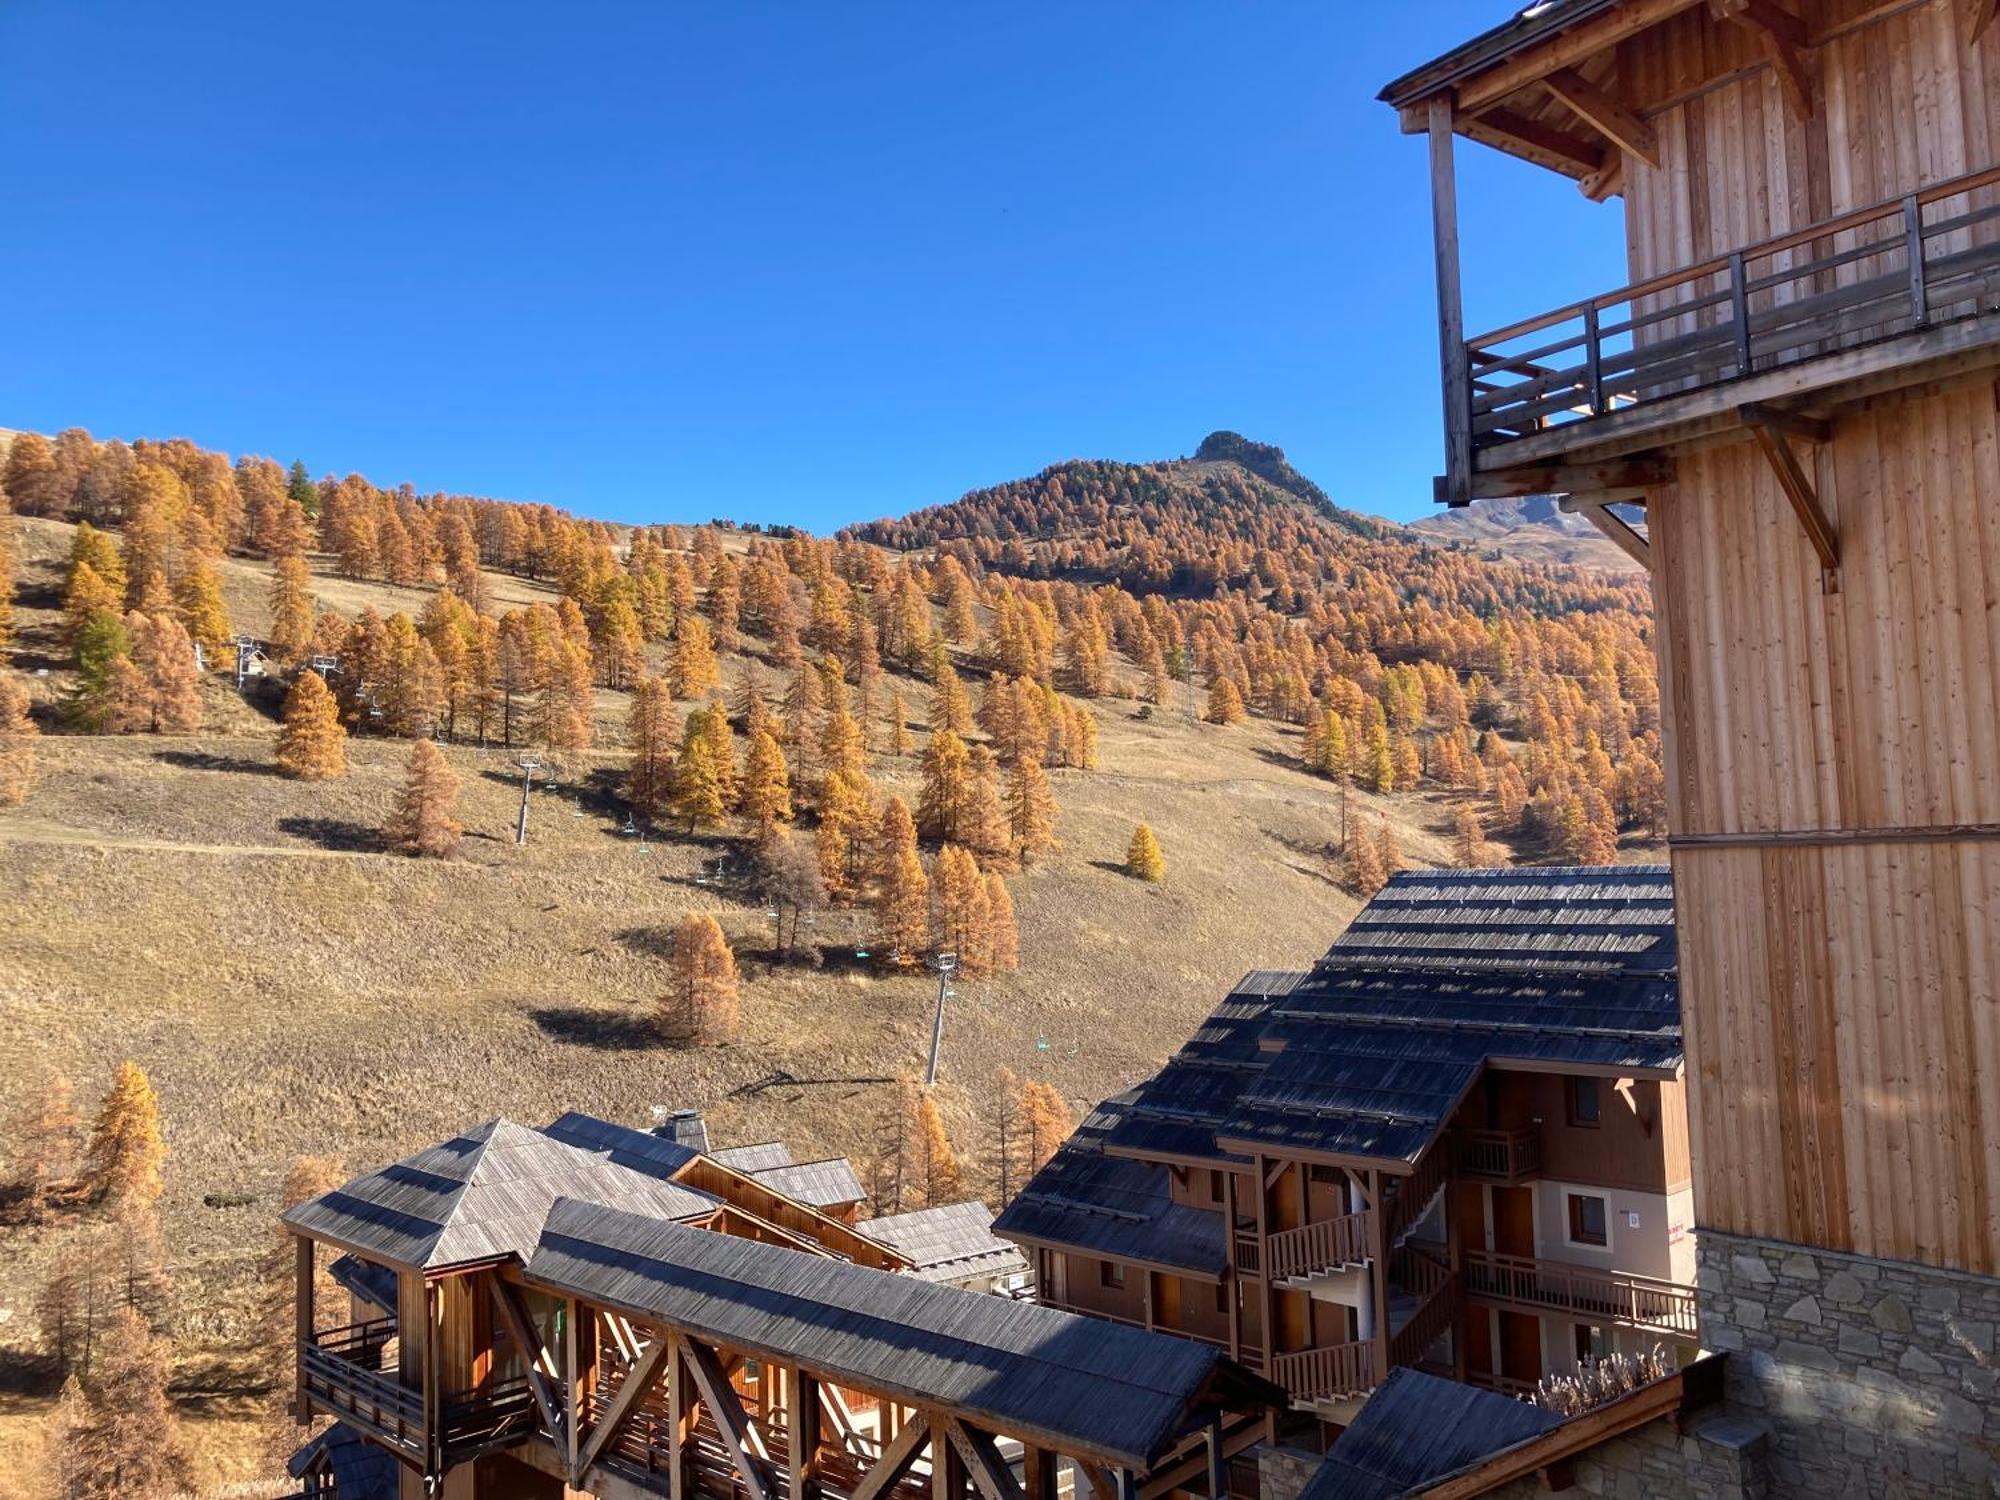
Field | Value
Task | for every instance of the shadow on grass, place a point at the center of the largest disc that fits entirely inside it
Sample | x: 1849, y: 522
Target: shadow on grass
x: 648, y: 942
x: 1111, y: 866
x: 340, y: 834
x: 196, y: 760
x: 605, y: 1031
x: 25, y: 1374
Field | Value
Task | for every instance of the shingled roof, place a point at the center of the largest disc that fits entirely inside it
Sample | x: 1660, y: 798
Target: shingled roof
x: 951, y: 1242
x: 1417, y: 1428
x: 1366, y: 1055
x: 480, y: 1196
x: 1121, y: 1393
x: 831, y: 1183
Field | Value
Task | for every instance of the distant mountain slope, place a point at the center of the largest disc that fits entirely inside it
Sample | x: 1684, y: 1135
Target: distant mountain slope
x: 1531, y: 529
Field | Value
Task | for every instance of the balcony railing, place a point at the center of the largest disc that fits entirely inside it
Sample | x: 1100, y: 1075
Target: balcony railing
x: 1314, y: 1249
x: 1500, y: 1155
x: 1929, y: 258
x: 347, y: 1373
x: 1248, y: 1261
x: 1329, y: 1373
x: 1641, y: 1302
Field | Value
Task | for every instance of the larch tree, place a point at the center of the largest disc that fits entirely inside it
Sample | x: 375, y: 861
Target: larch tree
x: 961, y: 920
x: 767, y: 784
x: 902, y: 891
x: 198, y: 601
x: 126, y: 1152
x: 942, y: 804
x: 422, y: 824
x: 122, y: 1439
x: 312, y: 745
x: 1143, y: 858
x: 649, y: 730
x: 1005, y: 957
x: 693, y: 672
x: 1031, y: 810
x: 48, y: 1135
x: 986, y: 831
x: 1225, y: 703
x: 1469, y: 849
x: 788, y: 872
x: 699, y: 788
x: 291, y: 610
x: 950, y: 708
x: 1361, y: 871
x: 167, y: 696
x: 1045, y: 1122
x: 937, y: 1178
x: 899, y: 727
x: 18, y: 757
x: 1388, y: 848
x: 702, y: 1009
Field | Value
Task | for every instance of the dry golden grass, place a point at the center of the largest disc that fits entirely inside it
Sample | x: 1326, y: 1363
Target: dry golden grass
x: 291, y: 992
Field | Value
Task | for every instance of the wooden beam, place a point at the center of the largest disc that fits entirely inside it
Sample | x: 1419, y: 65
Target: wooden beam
x: 1604, y: 114
x: 506, y: 1303
x: 302, y: 1311
x: 732, y: 1422
x: 1545, y: 145
x: 680, y: 1431
x: 1453, y: 368
x: 1979, y: 15
x: 1378, y: 1273
x: 1620, y: 534
x: 1608, y: 181
x: 1791, y: 423
x: 991, y: 1474
x: 1568, y: 47
x: 803, y: 1440
x: 1623, y: 474
x: 1783, y: 36
x: 833, y: 1402
x: 1038, y: 1472
x: 638, y: 1381
x: 888, y: 1470
x: 573, y: 1378
x: 1233, y: 1439
x: 1102, y: 1486
x: 1804, y: 499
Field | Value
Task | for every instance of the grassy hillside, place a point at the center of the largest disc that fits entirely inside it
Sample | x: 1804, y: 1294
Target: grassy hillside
x: 291, y: 990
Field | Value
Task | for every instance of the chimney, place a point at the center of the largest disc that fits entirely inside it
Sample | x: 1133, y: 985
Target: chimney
x: 684, y: 1127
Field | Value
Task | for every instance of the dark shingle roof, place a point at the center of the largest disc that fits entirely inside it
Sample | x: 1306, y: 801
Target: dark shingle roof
x: 641, y: 1150
x: 1368, y: 1053
x: 371, y: 1283
x: 1112, y: 1205
x: 480, y: 1196
x: 1115, y: 1391
x: 1525, y: 26
x: 948, y: 1243
x: 1417, y: 1428
x: 360, y: 1469
x: 820, y: 1184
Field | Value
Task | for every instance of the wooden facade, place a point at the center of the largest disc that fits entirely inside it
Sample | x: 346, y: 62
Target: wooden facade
x: 1822, y: 520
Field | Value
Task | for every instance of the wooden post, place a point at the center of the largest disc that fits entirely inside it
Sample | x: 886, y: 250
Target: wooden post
x: 433, y: 1395
x: 1229, y: 1276
x: 680, y: 1417
x: 1378, y: 1235
x: 1454, y: 1238
x: 1269, y: 1331
x: 1218, y: 1470
x: 1149, y: 1300
x: 1454, y: 366
x: 303, y: 1307
x: 1038, y: 1473
x: 947, y: 1468
x: 572, y: 1389
x: 803, y: 1443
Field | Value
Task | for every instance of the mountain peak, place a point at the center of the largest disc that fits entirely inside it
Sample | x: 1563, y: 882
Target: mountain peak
x: 1266, y: 460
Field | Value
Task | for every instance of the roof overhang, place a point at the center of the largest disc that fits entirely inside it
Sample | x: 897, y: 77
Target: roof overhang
x: 1093, y: 1252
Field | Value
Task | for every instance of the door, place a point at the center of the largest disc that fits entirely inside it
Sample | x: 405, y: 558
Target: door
x: 1294, y: 1321
x: 1468, y: 1213
x: 1520, y: 1346
x: 1514, y: 1221
x: 1478, y: 1341
x: 1166, y: 1301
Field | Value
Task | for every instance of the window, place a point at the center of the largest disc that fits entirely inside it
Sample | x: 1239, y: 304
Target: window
x: 1586, y: 1110
x: 1592, y: 1343
x: 1214, y: 1187
x: 1588, y: 1222
x: 1222, y: 1296
x: 1111, y: 1274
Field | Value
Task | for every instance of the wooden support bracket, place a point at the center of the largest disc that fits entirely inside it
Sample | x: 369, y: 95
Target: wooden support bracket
x: 1773, y: 434
x: 507, y: 1302
x: 1979, y: 16
x: 638, y: 1381
x: 739, y: 1434
x: 1604, y: 114
x: 1783, y: 36
x: 888, y: 1470
x: 1618, y: 479
x: 1620, y: 534
x: 992, y: 1476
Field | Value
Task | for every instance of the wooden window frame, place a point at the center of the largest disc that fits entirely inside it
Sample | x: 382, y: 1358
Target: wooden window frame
x: 1573, y: 1227
x: 1573, y: 1093
x: 1111, y: 1275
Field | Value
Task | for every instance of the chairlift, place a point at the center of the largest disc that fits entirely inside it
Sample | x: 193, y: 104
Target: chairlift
x: 630, y: 826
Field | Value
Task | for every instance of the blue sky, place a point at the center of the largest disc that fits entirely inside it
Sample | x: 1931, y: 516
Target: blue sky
x: 803, y: 262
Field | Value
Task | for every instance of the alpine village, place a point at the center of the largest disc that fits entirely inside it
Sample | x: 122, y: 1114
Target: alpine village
x: 1136, y: 982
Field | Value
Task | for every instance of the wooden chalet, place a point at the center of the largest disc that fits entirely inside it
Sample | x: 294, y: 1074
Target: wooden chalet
x: 588, y: 1309
x: 1457, y: 1143
x: 1794, y: 397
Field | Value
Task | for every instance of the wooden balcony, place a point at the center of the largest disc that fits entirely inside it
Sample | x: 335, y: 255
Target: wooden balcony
x: 1504, y: 1156
x: 1641, y: 1302
x: 350, y: 1374
x: 1321, y: 1248
x: 1872, y: 300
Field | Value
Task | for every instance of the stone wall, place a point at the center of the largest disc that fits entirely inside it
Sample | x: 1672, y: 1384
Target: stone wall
x: 1720, y: 1458
x: 1874, y: 1377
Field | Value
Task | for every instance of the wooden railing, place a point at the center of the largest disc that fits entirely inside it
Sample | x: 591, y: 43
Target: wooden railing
x: 1327, y: 1245
x: 345, y: 1374
x: 475, y: 1422
x: 1414, y: 1192
x: 1248, y: 1259
x: 1500, y: 1155
x: 1635, y: 1301
x: 1327, y: 1373
x: 1425, y: 1275
x: 1863, y: 276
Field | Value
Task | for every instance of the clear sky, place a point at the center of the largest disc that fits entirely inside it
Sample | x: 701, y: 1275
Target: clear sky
x: 809, y: 262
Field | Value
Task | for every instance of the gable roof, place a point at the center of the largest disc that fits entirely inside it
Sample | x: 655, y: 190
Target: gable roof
x: 832, y: 1183
x: 1111, y: 1205
x: 480, y: 1196
x: 641, y: 1150
x: 949, y: 1242
x: 760, y: 1157
x: 1416, y: 1428
x: 1543, y: 18
x: 1107, y: 1389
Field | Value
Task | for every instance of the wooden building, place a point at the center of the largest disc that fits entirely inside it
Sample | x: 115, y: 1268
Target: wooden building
x: 588, y: 1309
x: 1789, y: 416
x: 1457, y: 1143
